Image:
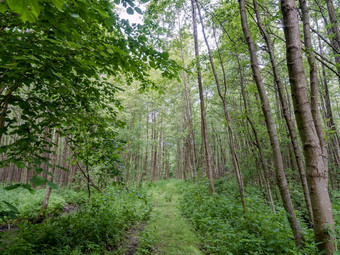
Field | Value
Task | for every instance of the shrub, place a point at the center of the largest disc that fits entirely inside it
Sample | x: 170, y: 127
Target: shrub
x: 95, y: 227
x: 225, y: 229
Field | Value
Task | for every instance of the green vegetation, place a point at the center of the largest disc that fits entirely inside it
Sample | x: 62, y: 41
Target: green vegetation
x: 224, y: 229
x: 169, y: 127
x: 29, y: 205
x: 167, y: 232
x: 97, y: 226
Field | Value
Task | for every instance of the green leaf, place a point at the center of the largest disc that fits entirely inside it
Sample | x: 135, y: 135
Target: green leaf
x: 3, y: 149
x: 117, y: 1
x: 19, y: 164
x: 11, y: 207
x: 12, y: 215
x: 130, y: 11
x: 14, y: 186
x: 52, y: 185
x: 63, y: 168
x: 37, y: 161
x: 38, y: 180
x: 58, y: 4
x: 138, y: 10
x: 74, y: 15
x: 38, y: 170
x: 152, y: 64
x: 28, y: 187
x: 3, y: 7
x: 28, y: 9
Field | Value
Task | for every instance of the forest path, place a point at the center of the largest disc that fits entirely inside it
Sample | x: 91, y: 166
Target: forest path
x: 167, y: 231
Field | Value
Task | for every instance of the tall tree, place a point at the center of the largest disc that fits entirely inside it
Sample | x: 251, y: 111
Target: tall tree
x: 316, y: 166
x: 335, y: 34
x: 278, y: 162
x: 203, y: 114
x: 285, y: 111
x: 222, y: 95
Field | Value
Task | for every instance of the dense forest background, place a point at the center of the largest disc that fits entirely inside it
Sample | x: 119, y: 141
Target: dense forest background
x: 103, y: 99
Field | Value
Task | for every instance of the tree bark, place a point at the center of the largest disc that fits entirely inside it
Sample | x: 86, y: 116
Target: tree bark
x: 316, y: 166
x: 336, y: 38
x: 188, y: 108
x: 286, y: 115
x: 226, y: 115
x: 50, y: 177
x: 278, y: 163
x: 203, y: 114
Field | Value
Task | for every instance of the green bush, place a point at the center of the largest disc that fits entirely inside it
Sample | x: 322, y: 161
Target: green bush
x: 29, y: 205
x: 95, y: 227
x: 225, y: 229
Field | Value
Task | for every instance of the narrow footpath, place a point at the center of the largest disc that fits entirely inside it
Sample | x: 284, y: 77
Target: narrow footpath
x: 167, y: 232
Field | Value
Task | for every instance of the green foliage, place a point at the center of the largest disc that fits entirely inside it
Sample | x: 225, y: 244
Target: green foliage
x: 335, y: 196
x: 96, y: 226
x: 167, y: 232
x: 28, y: 205
x: 58, y: 71
x: 225, y: 229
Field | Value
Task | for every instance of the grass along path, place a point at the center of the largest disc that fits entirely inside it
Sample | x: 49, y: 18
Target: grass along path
x: 167, y: 231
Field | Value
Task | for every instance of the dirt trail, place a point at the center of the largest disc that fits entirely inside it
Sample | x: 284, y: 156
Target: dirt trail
x: 167, y: 231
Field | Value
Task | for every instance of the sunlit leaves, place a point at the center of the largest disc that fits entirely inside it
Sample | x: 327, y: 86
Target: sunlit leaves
x: 3, y: 7
x: 58, y: 4
x: 28, y: 9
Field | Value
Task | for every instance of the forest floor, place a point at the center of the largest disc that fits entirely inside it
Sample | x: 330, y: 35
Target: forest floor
x: 167, y: 231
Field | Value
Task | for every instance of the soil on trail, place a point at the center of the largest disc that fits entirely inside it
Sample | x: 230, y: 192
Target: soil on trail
x: 168, y: 232
x: 132, y: 239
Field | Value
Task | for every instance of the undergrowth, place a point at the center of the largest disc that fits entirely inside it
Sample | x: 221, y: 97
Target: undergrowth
x: 96, y: 227
x: 225, y: 229
x: 29, y: 205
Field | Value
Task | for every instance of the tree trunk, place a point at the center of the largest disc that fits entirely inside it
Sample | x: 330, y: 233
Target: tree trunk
x: 203, y: 115
x: 328, y: 113
x: 280, y: 174
x: 313, y: 76
x: 316, y: 166
x: 52, y: 170
x: 227, y: 117
x: 188, y: 108
x: 286, y: 114
x: 336, y: 37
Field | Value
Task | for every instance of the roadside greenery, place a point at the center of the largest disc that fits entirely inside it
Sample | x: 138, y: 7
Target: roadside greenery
x: 96, y: 227
x: 225, y: 229
x: 28, y: 205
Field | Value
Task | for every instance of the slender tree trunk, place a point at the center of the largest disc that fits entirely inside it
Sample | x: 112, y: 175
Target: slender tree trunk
x: 147, y: 145
x: 313, y: 76
x: 257, y: 140
x: 52, y: 170
x: 329, y: 114
x: 188, y: 108
x: 336, y: 38
x: 203, y: 115
x: 286, y: 114
x: 227, y: 117
x: 277, y: 156
x: 154, y: 166
x: 316, y: 166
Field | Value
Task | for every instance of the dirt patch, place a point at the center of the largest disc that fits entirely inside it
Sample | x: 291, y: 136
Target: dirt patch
x: 8, y: 227
x: 131, y: 238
